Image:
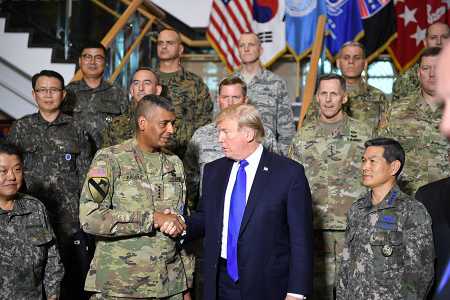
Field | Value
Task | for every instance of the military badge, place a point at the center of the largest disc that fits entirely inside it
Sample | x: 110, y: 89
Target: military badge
x: 98, y: 188
x: 68, y: 156
x: 387, y: 250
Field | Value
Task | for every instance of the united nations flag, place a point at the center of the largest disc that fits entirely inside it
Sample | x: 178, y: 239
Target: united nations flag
x: 301, y: 23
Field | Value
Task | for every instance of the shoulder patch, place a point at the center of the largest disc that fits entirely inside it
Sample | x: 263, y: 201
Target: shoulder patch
x: 98, y: 188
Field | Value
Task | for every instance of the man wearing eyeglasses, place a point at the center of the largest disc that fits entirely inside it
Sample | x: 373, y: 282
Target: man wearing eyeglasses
x: 92, y: 100
x: 56, y: 158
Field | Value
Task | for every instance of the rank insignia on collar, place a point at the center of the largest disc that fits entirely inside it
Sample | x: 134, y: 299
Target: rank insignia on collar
x: 387, y: 250
x: 98, y: 188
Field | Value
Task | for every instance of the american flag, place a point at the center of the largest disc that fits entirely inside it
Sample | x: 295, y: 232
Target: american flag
x: 228, y: 20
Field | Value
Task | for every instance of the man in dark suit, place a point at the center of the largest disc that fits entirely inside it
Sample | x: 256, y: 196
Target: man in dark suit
x: 255, y: 215
x: 436, y: 198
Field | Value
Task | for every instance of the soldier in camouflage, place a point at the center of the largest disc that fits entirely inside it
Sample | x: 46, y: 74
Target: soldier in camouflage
x: 144, y: 82
x: 126, y: 187
x: 365, y: 102
x: 30, y: 265
x: 436, y: 36
x: 414, y: 122
x: 92, y: 101
x: 330, y: 148
x: 388, y: 251
x: 56, y: 159
x: 204, y: 146
x: 267, y: 91
x: 187, y: 91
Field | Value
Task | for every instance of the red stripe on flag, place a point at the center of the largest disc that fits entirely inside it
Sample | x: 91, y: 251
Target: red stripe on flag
x: 223, y: 37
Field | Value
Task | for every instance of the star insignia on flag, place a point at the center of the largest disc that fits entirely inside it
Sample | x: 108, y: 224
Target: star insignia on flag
x: 419, y: 35
x: 408, y: 16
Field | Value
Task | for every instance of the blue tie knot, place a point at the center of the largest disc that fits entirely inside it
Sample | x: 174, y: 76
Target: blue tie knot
x: 243, y: 163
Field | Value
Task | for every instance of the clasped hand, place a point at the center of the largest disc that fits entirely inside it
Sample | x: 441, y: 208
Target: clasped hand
x: 169, y: 223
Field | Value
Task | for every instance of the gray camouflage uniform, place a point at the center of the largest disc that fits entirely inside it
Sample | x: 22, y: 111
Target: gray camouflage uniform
x: 94, y: 108
x: 29, y: 260
x: 56, y: 157
x: 388, y: 251
x: 123, y: 189
x: 268, y: 92
x: 331, y: 155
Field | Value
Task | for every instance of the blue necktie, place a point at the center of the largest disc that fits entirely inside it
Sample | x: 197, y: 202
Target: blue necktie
x: 237, y: 207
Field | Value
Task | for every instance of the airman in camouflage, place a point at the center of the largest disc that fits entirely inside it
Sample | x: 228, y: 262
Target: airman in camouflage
x: 126, y: 187
x: 56, y: 158
x: 330, y: 149
x: 92, y: 101
x: 414, y: 122
x: 267, y: 91
x: 144, y: 82
x: 365, y: 102
x: 436, y: 36
x: 30, y: 264
x: 204, y: 146
x: 388, y: 251
x: 187, y: 91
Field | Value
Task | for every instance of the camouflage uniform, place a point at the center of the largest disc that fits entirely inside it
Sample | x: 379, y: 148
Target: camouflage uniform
x: 56, y: 159
x: 365, y: 103
x: 29, y: 259
x: 122, y: 190
x: 388, y: 251
x: 330, y: 154
x: 268, y: 92
x: 192, y: 102
x: 203, y: 148
x: 416, y: 126
x: 406, y: 83
x: 94, y: 108
x: 122, y: 128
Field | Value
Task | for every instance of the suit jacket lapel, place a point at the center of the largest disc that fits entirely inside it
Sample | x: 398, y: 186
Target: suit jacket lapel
x: 224, y: 177
x: 258, y: 186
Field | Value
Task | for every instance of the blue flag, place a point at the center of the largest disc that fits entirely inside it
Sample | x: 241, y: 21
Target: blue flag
x: 301, y: 22
x: 343, y: 24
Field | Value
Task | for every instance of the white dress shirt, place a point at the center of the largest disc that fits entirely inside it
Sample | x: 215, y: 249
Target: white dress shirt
x: 250, y: 170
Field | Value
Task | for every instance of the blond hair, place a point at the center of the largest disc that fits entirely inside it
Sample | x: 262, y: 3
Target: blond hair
x: 247, y: 116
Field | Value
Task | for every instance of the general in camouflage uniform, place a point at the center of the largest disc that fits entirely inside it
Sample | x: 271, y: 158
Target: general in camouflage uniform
x: 365, y: 102
x: 384, y: 259
x: 145, y: 82
x: 92, y: 101
x: 268, y: 92
x: 414, y: 122
x: 388, y: 251
x: 192, y: 102
x: 30, y: 263
x: 56, y: 158
x: 330, y: 153
x: 125, y: 188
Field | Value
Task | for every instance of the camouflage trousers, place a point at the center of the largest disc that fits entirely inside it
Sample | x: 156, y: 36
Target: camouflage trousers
x: 100, y: 296
x: 328, y: 246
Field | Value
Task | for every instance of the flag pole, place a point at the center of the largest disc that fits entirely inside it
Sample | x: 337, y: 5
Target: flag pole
x: 312, y: 75
x: 298, y: 83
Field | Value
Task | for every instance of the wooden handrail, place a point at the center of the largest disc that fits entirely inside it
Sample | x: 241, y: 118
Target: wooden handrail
x: 120, y: 23
x: 312, y: 75
x: 133, y: 46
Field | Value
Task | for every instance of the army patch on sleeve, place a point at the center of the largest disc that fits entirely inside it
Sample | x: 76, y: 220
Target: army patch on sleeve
x: 97, y: 172
x: 98, y: 187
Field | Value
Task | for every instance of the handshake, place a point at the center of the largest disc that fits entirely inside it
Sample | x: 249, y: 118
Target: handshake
x: 169, y: 223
